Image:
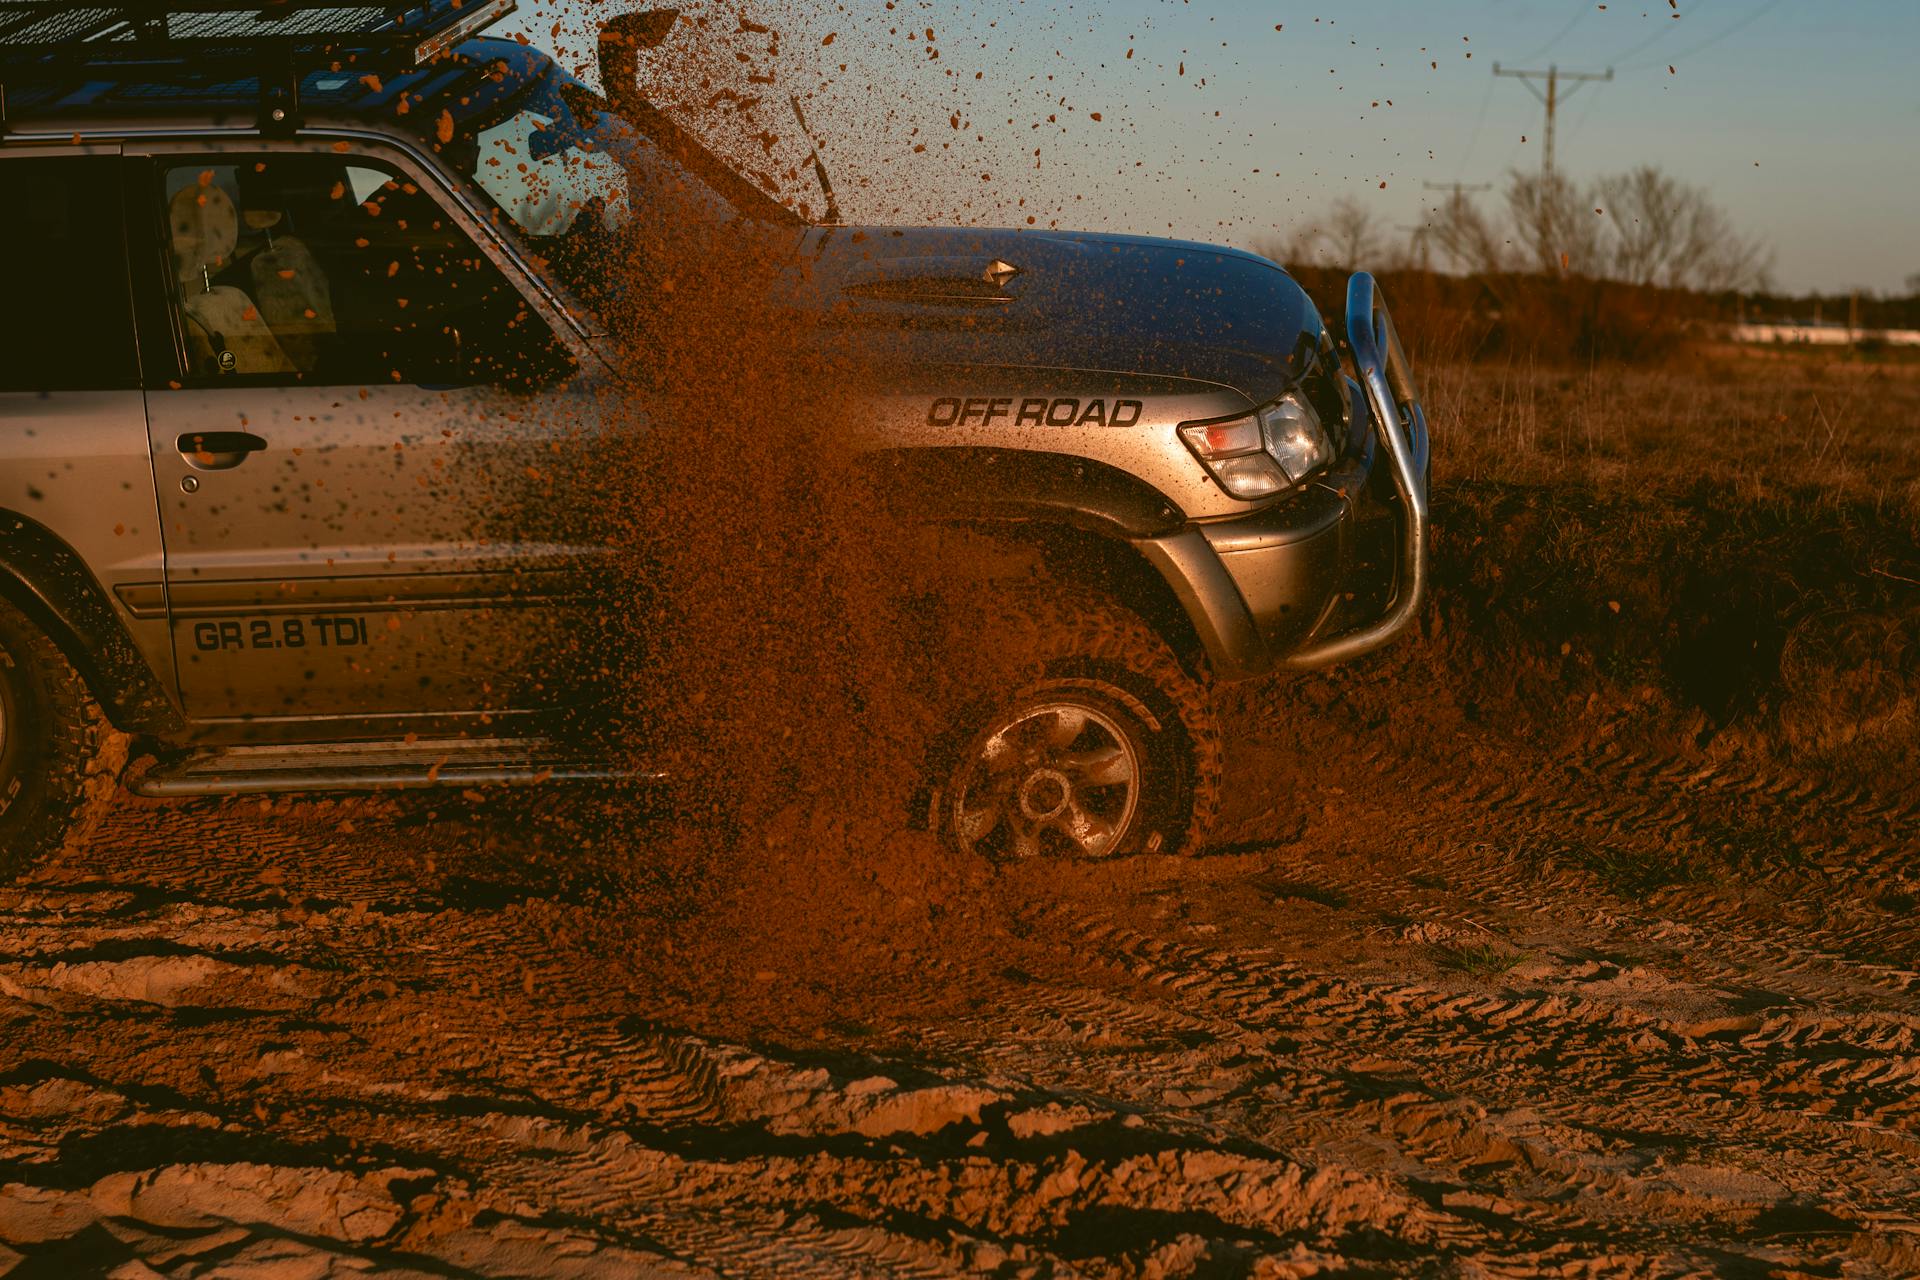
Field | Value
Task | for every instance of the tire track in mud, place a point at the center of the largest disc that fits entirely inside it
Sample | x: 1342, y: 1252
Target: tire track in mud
x: 1383, y: 1017
x: 668, y: 1081
x: 1195, y: 1065
x: 1439, y: 1122
x: 1547, y: 803
x: 1441, y: 1126
x: 745, y: 1216
x: 1863, y: 1060
x: 773, y: 1242
x: 339, y: 1098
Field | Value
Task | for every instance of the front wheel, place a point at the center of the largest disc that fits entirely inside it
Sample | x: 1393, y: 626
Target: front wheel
x: 59, y: 759
x: 1091, y: 740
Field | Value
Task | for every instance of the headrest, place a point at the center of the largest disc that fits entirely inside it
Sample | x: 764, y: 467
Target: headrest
x: 205, y: 230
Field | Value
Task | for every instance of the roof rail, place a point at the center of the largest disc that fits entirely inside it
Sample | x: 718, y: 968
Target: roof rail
x: 274, y: 40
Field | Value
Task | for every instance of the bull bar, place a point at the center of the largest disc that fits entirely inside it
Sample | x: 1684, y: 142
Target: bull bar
x: 1401, y: 420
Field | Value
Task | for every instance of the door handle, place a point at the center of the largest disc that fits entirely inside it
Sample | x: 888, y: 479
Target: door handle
x: 218, y: 450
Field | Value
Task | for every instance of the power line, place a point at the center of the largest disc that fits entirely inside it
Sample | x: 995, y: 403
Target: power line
x: 1473, y: 139
x: 1660, y: 33
x: 1711, y: 41
x: 1513, y: 153
x: 1581, y: 122
x: 1580, y: 11
x: 1553, y: 75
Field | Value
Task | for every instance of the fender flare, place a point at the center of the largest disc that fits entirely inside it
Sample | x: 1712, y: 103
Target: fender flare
x: 971, y: 483
x: 46, y: 579
x: 1169, y: 573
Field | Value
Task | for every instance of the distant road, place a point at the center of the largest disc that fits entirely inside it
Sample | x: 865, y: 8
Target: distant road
x: 1836, y: 335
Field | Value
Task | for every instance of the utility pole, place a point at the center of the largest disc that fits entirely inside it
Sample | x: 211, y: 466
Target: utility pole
x: 1553, y: 75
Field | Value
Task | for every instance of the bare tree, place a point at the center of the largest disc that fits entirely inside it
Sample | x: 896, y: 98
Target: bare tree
x: 1414, y: 253
x: 1555, y: 220
x: 1351, y: 234
x: 1471, y: 241
x: 1641, y: 228
x: 1659, y: 231
x: 1346, y: 237
x: 1297, y: 248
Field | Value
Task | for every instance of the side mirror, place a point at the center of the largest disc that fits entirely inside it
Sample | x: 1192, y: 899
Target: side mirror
x: 621, y: 40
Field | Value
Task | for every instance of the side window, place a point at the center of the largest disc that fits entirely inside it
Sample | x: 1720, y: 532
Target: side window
x: 558, y: 186
x: 66, y: 320
x: 337, y: 270
x: 547, y: 174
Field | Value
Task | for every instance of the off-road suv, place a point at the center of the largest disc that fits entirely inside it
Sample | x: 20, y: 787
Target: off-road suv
x: 283, y: 280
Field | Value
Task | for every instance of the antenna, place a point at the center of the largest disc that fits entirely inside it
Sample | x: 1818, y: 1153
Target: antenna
x: 1553, y: 75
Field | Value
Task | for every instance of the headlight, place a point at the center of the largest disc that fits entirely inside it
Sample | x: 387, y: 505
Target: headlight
x: 1294, y: 436
x: 1264, y: 452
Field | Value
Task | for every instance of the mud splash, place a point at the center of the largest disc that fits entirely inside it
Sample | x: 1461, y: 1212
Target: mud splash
x: 778, y: 661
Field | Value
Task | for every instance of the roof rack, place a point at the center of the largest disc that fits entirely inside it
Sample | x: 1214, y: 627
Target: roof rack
x: 273, y: 40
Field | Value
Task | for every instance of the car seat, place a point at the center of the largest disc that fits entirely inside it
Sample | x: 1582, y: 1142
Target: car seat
x: 225, y: 331
x: 293, y: 290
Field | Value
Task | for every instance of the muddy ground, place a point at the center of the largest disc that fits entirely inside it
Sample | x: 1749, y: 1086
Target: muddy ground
x: 1574, y: 936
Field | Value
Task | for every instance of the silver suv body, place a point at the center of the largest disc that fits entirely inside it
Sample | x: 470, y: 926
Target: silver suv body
x: 284, y: 352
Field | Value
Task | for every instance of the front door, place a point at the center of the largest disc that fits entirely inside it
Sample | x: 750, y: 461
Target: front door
x: 356, y: 462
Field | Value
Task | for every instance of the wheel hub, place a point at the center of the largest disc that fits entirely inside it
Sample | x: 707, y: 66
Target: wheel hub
x: 1058, y: 778
x: 1045, y: 794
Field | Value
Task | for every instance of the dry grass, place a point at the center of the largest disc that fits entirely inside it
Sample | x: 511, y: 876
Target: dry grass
x: 1767, y: 429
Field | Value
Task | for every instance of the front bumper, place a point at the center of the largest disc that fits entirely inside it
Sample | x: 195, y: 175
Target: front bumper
x: 1260, y: 587
x: 1340, y: 568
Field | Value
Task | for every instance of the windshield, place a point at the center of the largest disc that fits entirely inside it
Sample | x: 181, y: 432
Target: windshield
x: 571, y: 175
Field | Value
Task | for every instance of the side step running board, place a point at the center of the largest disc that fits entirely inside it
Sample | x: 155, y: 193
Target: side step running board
x: 374, y: 766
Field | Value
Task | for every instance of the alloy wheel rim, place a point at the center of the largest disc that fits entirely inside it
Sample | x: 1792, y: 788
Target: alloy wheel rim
x: 1055, y: 778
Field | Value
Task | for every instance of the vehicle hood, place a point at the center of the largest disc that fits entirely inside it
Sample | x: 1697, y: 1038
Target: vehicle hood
x: 1072, y: 300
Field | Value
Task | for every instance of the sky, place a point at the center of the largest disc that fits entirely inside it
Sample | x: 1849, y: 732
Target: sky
x: 1240, y: 122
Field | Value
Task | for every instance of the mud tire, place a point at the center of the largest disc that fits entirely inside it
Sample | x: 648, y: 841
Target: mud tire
x: 59, y: 758
x: 1086, y: 649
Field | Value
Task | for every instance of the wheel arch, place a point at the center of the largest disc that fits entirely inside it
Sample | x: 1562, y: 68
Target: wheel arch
x: 47, y: 580
x: 1115, y: 568
x: 1080, y: 521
